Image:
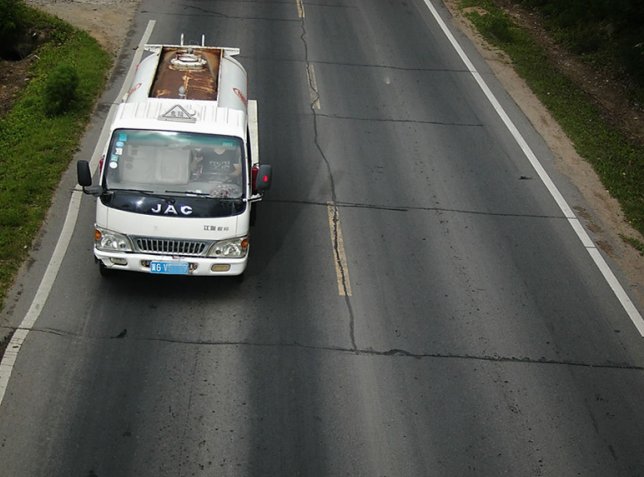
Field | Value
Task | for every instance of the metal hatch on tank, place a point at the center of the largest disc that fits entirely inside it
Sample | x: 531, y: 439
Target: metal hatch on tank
x: 191, y: 73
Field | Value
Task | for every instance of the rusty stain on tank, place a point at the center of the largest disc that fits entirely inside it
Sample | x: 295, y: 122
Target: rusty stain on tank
x: 185, y: 67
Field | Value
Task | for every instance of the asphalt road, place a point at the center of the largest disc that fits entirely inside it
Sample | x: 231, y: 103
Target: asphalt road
x: 416, y: 303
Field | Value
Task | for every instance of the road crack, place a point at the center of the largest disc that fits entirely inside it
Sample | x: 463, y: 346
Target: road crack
x: 402, y: 353
x: 315, y: 99
x: 400, y: 121
x: 353, y: 350
x: 407, y: 208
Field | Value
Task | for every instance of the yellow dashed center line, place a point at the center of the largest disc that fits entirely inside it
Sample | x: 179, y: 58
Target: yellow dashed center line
x: 339, y: 255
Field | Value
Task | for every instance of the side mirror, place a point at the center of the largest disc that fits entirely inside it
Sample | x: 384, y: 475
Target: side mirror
x: 264, y: 177
x: 83, y: 173
x: 85, y: 179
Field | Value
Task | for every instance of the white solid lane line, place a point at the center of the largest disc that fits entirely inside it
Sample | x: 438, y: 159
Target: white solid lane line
x: 18, y: 338
x: 587, y: 242
x: 29, y: 320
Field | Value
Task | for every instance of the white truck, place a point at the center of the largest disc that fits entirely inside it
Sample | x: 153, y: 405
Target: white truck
x: 180, y: 176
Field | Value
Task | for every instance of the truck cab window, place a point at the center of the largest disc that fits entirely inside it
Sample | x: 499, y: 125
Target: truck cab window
x: 158, y: 161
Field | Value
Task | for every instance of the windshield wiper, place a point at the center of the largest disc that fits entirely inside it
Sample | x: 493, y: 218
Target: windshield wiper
x: 139, y: 191
x: 204, y: 194
x: 189, y: 192
x: 229, y: 199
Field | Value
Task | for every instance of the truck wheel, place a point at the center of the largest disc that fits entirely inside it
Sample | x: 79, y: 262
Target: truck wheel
x: 103, y: 270
x: 253, y: 214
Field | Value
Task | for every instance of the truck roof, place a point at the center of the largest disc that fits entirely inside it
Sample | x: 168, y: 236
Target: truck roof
x: 179, y: 115
x: 203, y: 87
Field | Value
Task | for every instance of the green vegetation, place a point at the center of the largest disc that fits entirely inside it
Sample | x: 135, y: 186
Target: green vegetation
x: 36, y: 143
x: 12, y: 23
x: 635, y: 243
x: 617, y: 160
x: 604, y: 32
x: 61, y: 90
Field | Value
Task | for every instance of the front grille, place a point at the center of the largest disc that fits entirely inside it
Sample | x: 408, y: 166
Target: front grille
x: 193, y: 248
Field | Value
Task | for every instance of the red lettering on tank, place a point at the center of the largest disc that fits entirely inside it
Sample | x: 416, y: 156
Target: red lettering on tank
x: 134, y: 88
x: 241, y: 96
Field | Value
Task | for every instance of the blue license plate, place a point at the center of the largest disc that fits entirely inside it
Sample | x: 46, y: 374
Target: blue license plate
x: 169, y: 268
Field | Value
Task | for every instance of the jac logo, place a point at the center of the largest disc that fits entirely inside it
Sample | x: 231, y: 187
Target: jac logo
x: 170, y: 209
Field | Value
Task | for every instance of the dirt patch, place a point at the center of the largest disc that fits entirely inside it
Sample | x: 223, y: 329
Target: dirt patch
x: 607, y: 88
x: 605, y: 221
x: 14, y: 76
x: 106, y: 20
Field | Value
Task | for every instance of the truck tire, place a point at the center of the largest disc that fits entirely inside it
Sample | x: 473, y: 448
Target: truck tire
x: 253, y: 214
x: 103, y: 270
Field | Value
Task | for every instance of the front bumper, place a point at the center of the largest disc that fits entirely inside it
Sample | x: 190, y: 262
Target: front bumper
x: 197, y: 266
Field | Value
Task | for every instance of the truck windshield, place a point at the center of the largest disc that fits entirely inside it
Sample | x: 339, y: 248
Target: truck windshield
x: 177, y: 163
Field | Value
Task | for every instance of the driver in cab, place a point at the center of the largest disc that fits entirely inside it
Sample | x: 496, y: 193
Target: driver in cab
x: 218, y: 162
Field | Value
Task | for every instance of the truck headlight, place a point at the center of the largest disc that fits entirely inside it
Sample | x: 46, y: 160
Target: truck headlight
x: 233, y: 248
x: 108, y: 241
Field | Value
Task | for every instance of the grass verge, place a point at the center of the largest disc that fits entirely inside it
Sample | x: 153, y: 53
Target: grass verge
x: 618, y: 161
x: 36, y: 148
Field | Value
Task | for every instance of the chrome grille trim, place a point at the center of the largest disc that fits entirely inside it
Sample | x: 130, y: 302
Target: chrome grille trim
x: 164, y: 246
